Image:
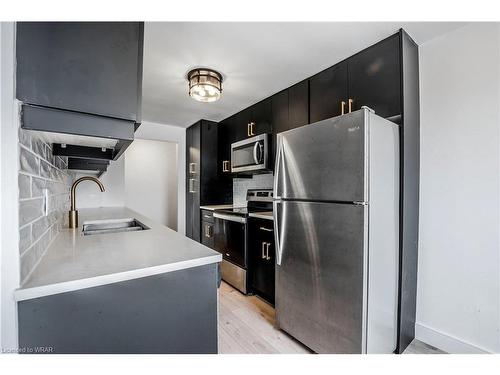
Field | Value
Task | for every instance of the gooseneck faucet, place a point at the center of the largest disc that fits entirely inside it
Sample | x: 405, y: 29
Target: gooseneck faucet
x: 73, y: 213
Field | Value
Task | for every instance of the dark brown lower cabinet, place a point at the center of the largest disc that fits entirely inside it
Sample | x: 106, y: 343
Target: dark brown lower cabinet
x: 207, y: 229
x: 262, y: 258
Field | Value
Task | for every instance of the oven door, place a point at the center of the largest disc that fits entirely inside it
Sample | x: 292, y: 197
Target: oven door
x: 230, y: 238
x: 250, y: 154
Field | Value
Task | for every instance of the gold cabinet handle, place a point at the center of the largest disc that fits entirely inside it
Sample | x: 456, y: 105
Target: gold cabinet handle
x: 265, y: 229
x: 350, y: 105
x: 342, y: 106
x: 192, y: 185
x: 225, y: 166
x: 252, y: 124
x: 248, y: 129
x: 208, y: 231
x: 268, y: 244
x: 192, y: 167
x: 263, y: 250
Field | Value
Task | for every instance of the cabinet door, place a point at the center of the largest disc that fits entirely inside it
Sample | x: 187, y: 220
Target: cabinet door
x: 224, y: 138
x: 89, y: 67
x: 240, y: 129
x: 328, y: 90
x: 193, y: 180
x: 375, y: 78
x: 207, y: 234
x: 189, y: 196
x: 262, y: 259
x: 261, y: 118
x: 298, y: 104
x: 280, y: 117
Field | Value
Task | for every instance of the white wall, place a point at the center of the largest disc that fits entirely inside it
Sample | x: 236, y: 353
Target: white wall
x: 151, y: 180
x: 157, y: 162
x: 9, y: 196
x: 458, y: 301
x: 89, y: 195
x: 168, y: 133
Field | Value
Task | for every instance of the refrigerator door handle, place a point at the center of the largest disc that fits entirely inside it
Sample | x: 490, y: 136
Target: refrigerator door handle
x: 277, y: 167
x: 277, y: 233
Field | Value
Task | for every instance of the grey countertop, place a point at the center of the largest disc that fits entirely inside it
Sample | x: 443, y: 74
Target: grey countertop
x: 74, y: 261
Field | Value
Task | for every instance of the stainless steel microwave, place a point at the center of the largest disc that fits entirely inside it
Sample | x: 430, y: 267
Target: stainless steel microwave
x: 251, y: 154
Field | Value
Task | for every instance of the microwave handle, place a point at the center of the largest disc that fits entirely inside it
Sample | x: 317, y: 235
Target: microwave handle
x: 256, y: 152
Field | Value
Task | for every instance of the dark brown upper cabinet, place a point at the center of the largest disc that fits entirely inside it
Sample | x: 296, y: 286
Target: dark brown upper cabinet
x: 298, y: 105
x: 375, y: 78
x: 329, y: 91
x: 87, y: 67
x: 280, y: 120
x: 261, y: 120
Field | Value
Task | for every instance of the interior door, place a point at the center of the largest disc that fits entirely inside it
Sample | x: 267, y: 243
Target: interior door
x: 324, y: 161
x: 327, y: 91
x: 320, y: 279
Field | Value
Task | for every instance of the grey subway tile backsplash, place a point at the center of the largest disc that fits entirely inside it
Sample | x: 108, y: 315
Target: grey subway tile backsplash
x: 241, y: 185
x: 24, y: 138
x: 25, y: 239
x: 29, y: 163
x: 39, y: 170
x: 24, y: 186
x: 45, y: 169
x: 29, y: 210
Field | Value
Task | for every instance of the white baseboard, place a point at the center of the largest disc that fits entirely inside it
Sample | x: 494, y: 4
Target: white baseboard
x: 445, y: 342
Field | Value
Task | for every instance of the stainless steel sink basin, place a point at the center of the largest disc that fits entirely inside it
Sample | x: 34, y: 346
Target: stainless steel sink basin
x: 112, y: 226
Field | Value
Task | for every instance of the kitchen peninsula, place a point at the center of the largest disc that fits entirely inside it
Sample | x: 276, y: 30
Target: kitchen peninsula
x: 145, y: 291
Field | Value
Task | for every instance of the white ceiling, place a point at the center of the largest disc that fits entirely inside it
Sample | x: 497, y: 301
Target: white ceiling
x: 255, y: 59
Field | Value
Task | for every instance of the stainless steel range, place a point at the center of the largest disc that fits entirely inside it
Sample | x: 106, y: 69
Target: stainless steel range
x: 230, y: 236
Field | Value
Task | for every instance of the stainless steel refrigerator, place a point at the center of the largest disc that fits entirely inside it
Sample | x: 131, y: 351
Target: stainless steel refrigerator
x: 336, y: 217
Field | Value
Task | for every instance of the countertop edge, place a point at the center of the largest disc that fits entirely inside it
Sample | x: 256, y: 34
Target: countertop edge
x: 259, y: 216
x: 216, y: 207
x: 73, y: 285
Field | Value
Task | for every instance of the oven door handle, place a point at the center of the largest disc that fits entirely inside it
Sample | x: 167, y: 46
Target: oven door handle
x: 237, y: 219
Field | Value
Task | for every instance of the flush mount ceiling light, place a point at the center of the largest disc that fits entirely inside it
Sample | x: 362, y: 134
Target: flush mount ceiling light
x: 205, y: 85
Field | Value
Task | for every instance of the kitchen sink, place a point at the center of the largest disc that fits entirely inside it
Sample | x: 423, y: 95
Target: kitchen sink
x: 112, y: 226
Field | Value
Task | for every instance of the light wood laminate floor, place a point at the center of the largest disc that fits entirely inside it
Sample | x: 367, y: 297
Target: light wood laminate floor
x: 246, y: 326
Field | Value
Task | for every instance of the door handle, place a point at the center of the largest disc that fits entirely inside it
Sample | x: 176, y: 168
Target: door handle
x: 225, y: 166
x: 277, y: 166
x: 266, y: 229
x: 192, y: 167
x: 350, y: 105
x: 276, y: 216
x: 248, y: 130
x: 252, y: 124
x: 342, y: 107
x: 208, y: 231
x: 263, y: 252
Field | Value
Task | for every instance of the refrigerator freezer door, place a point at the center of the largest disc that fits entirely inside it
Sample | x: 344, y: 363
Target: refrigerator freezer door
x: 325, y: 161
x: 320, y: 293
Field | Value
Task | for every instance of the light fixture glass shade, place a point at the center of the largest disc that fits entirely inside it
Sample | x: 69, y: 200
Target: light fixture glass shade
x: 205, y: 85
